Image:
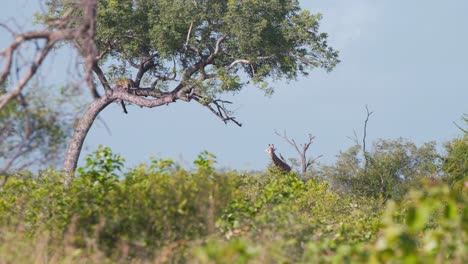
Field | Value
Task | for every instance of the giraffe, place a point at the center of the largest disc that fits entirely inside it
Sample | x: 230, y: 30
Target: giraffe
x: 280, y: 164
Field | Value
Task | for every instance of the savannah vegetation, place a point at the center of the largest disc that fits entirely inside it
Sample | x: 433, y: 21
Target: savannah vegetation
x: 159, y: 212
x: 389, y: 202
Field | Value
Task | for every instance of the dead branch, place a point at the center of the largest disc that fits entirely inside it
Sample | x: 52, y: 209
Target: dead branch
x: 218, y: 109
x: 302, y: 151
x: 188, y: 35
x: 5, y: 98
x: 364, y: 151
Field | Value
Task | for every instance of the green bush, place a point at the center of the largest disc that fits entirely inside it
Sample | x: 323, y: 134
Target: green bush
x: 159, y: 212
x: 386, y: 171
x: 456, y: 163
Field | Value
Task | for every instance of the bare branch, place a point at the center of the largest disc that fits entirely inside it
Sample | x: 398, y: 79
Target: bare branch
x: 188, y: 35
x: 20, y: 39
x: 306, y: 163
x: 364, y: 151
x: 365, y: 129
x: 220, y: 110
x: 28, y: 75
x: 312, y: 161
x: 7, y: 28
x: 66, y: 31
x: 291, y: 142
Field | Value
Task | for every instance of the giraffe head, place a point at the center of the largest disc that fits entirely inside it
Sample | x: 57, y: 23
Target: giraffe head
x: 271, y: 149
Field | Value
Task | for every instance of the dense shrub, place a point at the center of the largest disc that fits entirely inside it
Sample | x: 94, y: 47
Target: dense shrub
x: 159, y: 212
x: 387, y: 170
x: 456, y: 163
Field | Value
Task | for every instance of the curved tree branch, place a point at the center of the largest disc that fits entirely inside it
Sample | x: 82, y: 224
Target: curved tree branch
x: 85, y: 122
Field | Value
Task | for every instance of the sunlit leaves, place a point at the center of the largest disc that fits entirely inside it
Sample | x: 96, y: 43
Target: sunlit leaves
x: 102, y: 163
x: 426, y: 227
x: 209, y: 215
x: 279, y: 40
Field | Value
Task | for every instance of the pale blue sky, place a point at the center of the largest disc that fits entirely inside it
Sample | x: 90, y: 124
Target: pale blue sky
x: 405, y: 59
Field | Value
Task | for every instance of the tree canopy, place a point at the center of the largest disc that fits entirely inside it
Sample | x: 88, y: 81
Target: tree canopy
x: 210, y: 43
x: 156, y: 52
x: 206, y: 47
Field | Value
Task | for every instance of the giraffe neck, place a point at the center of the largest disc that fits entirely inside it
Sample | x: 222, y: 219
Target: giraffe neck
x: 279, y: 163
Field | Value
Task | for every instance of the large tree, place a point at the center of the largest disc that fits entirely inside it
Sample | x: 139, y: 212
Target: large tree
x: 156, y: 52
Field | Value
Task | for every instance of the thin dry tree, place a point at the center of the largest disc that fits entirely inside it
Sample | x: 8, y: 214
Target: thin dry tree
x: 364, y: 151
x: 368, y: 160
x: 301, y: 150
x: 355, y: 139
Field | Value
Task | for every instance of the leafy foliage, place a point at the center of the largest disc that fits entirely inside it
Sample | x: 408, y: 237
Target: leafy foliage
x: 277, y: 38
x: 456, y: 162
x: 160, y: 212
x: 393, y: 166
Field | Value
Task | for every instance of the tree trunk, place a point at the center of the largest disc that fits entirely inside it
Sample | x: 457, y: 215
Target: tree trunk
x: 87, y: 120
x: 304, y: 164
x: 80, y: 132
